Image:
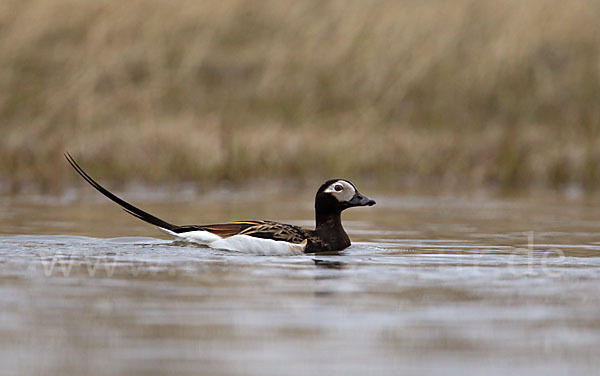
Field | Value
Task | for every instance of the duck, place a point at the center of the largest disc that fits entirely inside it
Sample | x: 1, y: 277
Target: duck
x: 261, y: 236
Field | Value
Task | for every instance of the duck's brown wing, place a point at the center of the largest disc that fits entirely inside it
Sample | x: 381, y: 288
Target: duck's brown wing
x: 277, y: 231
x: 259, y: 229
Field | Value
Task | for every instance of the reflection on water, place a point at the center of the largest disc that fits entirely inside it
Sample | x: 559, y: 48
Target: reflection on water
x: 430, y: 285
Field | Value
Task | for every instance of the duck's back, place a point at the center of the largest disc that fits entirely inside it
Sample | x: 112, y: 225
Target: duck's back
x: 264, y: 237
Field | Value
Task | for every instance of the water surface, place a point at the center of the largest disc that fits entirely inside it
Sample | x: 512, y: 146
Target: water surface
x: 432, y: 284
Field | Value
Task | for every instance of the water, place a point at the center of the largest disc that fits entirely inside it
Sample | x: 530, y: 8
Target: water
x: 431, y: 285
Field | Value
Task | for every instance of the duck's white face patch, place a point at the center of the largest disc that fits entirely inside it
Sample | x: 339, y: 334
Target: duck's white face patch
x: 341, y: 190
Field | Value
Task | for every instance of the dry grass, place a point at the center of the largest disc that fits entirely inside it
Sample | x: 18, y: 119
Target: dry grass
x: 460, y: 93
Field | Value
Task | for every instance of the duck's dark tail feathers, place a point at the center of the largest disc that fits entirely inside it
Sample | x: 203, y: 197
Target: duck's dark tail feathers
x: 136, y: 212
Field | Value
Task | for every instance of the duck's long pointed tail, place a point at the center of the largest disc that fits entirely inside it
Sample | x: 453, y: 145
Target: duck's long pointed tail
x: 136, y: 212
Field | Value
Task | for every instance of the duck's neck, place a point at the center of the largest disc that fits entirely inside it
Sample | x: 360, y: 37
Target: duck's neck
x: 329, y: 228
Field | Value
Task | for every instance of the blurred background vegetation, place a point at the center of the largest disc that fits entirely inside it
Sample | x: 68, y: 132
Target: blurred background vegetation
x: 451, y: 94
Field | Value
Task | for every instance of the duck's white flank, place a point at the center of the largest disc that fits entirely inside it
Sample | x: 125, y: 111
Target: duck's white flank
x: 240, y: 243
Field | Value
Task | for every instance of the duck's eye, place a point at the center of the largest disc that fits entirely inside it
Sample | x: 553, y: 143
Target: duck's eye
x: 338, y: 187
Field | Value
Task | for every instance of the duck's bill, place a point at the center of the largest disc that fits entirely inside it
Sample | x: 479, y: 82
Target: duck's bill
x: 361, y: 200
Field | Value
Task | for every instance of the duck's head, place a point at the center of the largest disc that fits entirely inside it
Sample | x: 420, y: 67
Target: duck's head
x: 339, y: 194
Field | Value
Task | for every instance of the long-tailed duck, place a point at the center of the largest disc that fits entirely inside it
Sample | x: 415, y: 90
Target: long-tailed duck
x: 260, y: 236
